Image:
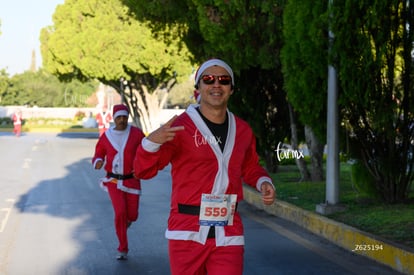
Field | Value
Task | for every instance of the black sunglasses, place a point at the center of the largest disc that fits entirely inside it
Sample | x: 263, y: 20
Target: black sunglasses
x: 222, y: 79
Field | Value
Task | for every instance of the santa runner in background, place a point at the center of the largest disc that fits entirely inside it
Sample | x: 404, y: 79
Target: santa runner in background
x: 103, y: 118
x: 17, y: 123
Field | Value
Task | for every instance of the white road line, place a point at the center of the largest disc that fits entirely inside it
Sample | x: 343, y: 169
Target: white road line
x: 6, y: 218
x: 26, y: 163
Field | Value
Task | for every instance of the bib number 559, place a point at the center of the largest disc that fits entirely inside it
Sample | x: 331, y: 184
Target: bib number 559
x: 215, y: 212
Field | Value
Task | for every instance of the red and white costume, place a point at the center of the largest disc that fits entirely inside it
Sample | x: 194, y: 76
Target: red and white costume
x: 199, y: 166
x: 103, y: 119
x: 209, y: 164
x: 117, y: 149
x: 119, y: 157
x: 17, y: 123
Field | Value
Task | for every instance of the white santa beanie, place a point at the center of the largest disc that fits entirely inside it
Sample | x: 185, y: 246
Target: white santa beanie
x: 213, y: 62
x: 120, y: 110
x: 209, y: 63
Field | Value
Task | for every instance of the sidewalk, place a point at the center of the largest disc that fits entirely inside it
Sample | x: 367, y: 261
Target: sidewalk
x: 347, y: 237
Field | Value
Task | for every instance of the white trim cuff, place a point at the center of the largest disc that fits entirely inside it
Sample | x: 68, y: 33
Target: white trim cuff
x: 150, y: 146
x: 260, y: 182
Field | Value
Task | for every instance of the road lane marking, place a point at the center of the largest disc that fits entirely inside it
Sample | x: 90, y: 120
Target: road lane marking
x: 6, y: 217
x: 26, y: 163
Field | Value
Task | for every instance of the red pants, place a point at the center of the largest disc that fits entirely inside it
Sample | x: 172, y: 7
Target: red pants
x: 192, y: 258
x: 17, y: 130
x: 126, y: 211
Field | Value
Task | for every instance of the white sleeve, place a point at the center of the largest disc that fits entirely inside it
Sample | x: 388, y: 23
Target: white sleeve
x: 150, y: 146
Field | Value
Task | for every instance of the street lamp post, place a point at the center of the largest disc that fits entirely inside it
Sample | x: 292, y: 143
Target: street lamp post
x: 332, y: 160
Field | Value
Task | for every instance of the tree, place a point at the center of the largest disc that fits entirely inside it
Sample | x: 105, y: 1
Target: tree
x: 248, y: 36
x: 294, y: 141
x: 181, y: 95
x: 372, y: 53
x: 93, y: 39
x: 305, y: 62
x: 373, y: 46
x: 33, y: 89
x: 4, y: 84
x: 44, y: 90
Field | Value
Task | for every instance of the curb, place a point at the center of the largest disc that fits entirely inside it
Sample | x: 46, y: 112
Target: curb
x: 352, y: 239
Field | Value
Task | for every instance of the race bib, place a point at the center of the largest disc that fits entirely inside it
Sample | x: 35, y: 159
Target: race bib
x: 217, y: 210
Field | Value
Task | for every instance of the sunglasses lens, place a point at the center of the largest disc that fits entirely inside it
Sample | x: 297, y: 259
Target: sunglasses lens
x: 222, y: 79
x: 208, y: 79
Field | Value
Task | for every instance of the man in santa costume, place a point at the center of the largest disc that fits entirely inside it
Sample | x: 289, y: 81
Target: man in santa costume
x: 17, y: 123
x: 103, y: 118
x: 115, y: 150
x: 212, y: 153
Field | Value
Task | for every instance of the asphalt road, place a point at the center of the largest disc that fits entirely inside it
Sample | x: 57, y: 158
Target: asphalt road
x: 54, y: 219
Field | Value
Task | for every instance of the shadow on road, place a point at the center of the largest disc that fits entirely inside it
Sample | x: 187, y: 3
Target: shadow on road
x: 79, y: 217
x: 87, y: 135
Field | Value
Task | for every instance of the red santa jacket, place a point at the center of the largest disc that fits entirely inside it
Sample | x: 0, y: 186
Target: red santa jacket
x: 199, y: 166
x: 119, y: 158
x: 103, y: 119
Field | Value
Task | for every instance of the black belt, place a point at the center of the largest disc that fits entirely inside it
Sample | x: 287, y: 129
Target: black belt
x: 189, y: 209
x: 120, y: 177
x: 195, y: 210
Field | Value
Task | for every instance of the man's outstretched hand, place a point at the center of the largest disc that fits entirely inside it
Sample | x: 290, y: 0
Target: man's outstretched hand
x: 165, y: 132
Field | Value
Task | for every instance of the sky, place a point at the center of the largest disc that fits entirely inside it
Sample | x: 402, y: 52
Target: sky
x: 21, y: 22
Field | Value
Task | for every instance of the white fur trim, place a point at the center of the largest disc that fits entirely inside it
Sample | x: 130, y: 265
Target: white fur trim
x: 121, y: 113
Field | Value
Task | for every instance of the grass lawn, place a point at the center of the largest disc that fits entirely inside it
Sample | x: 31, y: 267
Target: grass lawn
x: 392, y: 222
